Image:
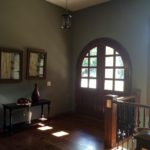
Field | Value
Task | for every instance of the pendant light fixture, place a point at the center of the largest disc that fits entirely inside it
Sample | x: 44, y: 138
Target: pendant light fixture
x: 66, y: 18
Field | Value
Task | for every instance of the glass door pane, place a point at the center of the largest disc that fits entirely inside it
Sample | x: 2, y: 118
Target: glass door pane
x: 92, y: 83
x: 108, y: 85
x: 84, y: 83
x: 109, y: 73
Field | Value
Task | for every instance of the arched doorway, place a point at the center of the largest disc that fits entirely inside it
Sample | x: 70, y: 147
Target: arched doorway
x: 103, y: 68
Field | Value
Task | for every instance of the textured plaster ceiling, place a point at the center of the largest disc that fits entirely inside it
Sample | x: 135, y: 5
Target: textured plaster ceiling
x: 74, y: 5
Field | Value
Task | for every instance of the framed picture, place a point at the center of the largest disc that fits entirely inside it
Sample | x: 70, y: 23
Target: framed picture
x: 36, y: 64
x: 10, y: 64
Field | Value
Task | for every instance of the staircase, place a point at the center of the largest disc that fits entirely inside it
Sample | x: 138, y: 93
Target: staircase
x: 127, y: 123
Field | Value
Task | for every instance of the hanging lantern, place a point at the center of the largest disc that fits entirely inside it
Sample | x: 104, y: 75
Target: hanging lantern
x: 66, y: 19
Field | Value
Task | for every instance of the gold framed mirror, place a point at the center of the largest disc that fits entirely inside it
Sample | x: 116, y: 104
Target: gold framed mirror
x: 36, y: 64
x: 10, y: 65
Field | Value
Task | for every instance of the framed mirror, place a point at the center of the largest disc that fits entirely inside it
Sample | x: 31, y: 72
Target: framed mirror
x: 10, y: 65
x: 36, y: 64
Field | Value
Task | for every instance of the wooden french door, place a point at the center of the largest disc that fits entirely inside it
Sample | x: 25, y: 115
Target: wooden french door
x: 103, y: 68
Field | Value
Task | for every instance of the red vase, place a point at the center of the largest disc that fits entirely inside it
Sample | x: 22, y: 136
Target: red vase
x: 35, y: 94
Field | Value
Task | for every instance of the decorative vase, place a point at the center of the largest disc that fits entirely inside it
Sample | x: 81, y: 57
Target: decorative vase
x: 35, y: 94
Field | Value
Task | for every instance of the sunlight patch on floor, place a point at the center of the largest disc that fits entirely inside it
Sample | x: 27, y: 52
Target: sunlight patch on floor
x: 44, y: 128
x: 119, y: 148
x: 87, y: 143
x: 41, y: 124
x: 42, y: 119
x: 60, y: 133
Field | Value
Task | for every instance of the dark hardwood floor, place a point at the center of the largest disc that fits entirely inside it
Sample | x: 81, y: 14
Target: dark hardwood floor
x: 84, y: 134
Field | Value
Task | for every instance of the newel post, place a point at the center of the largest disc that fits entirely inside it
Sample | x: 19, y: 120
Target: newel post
x: 110, y: 121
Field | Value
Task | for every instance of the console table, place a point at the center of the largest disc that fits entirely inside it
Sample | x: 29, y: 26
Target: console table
x: 13, y: 106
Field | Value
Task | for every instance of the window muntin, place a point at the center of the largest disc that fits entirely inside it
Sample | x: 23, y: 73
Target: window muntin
x: 114, y: 70
x: 109, y: 50
x: 119, y: 85
x: 92, y: 72
x: 84, y: 72
x: 93, y: 61
x: 84, y: 83
x: 109, y: 73
x: 92, y: 83
x: 93, y: 52
x: 89, y: 70
x: 108, y: 85
x: 85, y: 62
x: 109, y: 61
x: 119, y: 62
x: 119, y: 73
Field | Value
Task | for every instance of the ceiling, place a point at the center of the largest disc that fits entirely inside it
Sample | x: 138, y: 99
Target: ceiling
x: 74, y: 5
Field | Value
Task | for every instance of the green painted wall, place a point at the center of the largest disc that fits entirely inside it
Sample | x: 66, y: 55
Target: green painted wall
x: 36, y: 24
x: 126, y: 21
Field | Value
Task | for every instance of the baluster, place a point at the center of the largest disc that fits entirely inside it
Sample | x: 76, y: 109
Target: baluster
x: 124, y: 117
x: 135, y: 119
x: 118, y: 136
x: 127, y: 139
x: 132, y: 120
x: 132, y: 142
x: 121, y: 116
x: 136, y: 124
x: 149, y: 119
x: 144, y: 117
x: 123, y: 136
x: 120, y: 122
x: 118, y: 116
x: 125, y: 123
x: 128, y: 122
x: 139, y: 116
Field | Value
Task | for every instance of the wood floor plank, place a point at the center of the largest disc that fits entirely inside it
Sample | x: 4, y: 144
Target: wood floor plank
x: 84, y: 134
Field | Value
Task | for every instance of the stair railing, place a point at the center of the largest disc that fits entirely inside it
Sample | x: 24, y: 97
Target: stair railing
x: 123, y: 119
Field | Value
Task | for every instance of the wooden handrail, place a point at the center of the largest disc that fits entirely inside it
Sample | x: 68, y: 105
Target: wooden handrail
x: 124, y: 114
x: 132, y: 117
x: 123, y: 100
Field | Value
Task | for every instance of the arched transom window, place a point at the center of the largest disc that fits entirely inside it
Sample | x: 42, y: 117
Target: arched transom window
x: 104, y: 65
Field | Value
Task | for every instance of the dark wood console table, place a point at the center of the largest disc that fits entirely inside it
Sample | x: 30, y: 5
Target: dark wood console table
x: 13, y: 106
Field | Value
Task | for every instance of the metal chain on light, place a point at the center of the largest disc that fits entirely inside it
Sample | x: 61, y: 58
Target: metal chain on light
x: 66, y: 5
